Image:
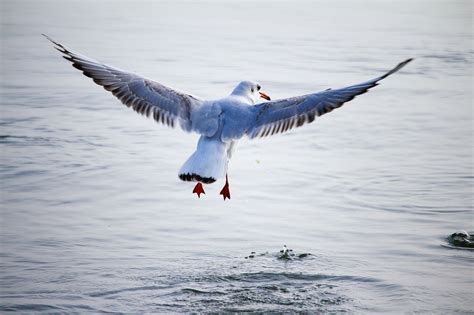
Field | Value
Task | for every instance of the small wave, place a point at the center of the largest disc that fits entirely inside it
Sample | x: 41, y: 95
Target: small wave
x: 450, y: 57
x: 119, y: 291
x: 7, y: 122
x: 29, y: 307
x: 198, y: 291
x: 282, y: 276
x: 22, y: 139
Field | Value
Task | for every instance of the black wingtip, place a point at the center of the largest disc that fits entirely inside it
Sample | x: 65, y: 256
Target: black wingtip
x: 57, y: 45
x: 49, y: 38
x: 398, y: 67
x: 403, y: 63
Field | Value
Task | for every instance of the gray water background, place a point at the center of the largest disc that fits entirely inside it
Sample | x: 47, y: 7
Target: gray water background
x: 94, y: 217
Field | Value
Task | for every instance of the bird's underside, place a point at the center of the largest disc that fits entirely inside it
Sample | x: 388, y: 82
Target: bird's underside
x: 221, y: 122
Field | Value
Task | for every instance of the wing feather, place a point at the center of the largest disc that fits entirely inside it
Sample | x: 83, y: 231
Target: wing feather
x: 146, y: 97
x: 283, y: 115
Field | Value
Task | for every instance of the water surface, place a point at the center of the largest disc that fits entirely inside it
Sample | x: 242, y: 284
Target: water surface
x: 95, y: 219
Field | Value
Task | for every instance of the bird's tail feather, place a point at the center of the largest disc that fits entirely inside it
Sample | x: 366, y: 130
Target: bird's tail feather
x: 207, y: 164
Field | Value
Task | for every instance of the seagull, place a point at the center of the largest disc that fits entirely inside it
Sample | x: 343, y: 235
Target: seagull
x: 247, y: 111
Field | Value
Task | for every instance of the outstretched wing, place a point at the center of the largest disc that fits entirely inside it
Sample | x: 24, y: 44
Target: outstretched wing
x: 144, y: 96
x: 282, y: 115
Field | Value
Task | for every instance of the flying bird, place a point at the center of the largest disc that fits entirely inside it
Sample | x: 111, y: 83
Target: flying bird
x: 247, y: 111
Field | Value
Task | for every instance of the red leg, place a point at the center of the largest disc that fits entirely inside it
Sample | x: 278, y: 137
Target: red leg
x: 225, y: 190
x: 199, y: 190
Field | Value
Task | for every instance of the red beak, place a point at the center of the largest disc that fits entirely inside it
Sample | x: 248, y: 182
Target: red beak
x: 265, y: 96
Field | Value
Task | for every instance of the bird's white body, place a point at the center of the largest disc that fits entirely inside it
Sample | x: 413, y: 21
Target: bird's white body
x: 214, y: 119
x: 220, y: 123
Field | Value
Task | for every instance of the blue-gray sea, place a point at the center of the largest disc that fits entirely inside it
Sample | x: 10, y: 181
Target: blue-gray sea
x: 95, y: 219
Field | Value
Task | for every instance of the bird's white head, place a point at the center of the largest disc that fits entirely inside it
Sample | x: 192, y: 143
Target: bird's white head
x: 250, y: 91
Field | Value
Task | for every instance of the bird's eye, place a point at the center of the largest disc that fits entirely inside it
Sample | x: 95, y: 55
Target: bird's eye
x: 251, y: 90
x: 258, y: 87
